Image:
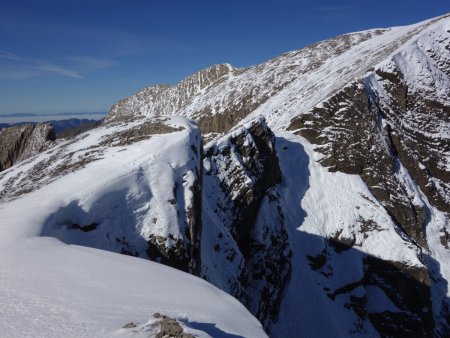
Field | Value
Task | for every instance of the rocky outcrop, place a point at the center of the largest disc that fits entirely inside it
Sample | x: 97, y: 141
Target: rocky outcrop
x: 350, y: 132
x: 418, y: 116
x: 170, y: 327
x: 159, y: 326
x: 393, y: 297
x: 409, y: 290
x: 247, y: 181
x: 245, y: 248
x: 19, y: 143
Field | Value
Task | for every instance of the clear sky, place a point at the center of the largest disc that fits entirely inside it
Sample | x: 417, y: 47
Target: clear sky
x: 84, y: 55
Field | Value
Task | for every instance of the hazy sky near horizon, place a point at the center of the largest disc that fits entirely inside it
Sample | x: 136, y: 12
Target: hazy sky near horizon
x: 84, y: 55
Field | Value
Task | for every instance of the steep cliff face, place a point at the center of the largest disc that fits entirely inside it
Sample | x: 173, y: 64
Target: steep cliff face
x: 353, y: 271
x: 21, y: 142
x: 245, y: 248
x: 392, y: 129
x: 351, y: 135
x: 395, y: 120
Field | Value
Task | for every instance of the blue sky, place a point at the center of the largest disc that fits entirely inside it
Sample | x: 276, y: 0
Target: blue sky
x: 84, y: 55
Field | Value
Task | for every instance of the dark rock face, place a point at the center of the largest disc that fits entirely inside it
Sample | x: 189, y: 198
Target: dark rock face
x: 194, y: 216
x: 419, y: 123
x: 260, y: 164
x: 393, y: 296
x: 84, y: 228
x: 350, y: 133
x: 409, y: 289
x: 249, y: 256
x: 175, y: 256
x: 18, y: 143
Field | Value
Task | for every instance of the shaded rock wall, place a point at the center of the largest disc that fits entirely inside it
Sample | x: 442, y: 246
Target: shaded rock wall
x: 245, y: 248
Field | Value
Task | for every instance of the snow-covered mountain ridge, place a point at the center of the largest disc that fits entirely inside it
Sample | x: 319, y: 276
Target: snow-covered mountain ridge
x: 278, y: 89
x: 320, y: 202
x: 375, y: 104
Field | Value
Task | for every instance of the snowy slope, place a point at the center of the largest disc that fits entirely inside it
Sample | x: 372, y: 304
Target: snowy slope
x: 123, y: 176
x: 334, y: 223
x: 51, y: 289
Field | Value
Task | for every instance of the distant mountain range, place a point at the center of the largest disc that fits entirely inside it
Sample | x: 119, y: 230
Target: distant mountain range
x: 45, y: 117
x: 59, y: 126
x: 51, y: 114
